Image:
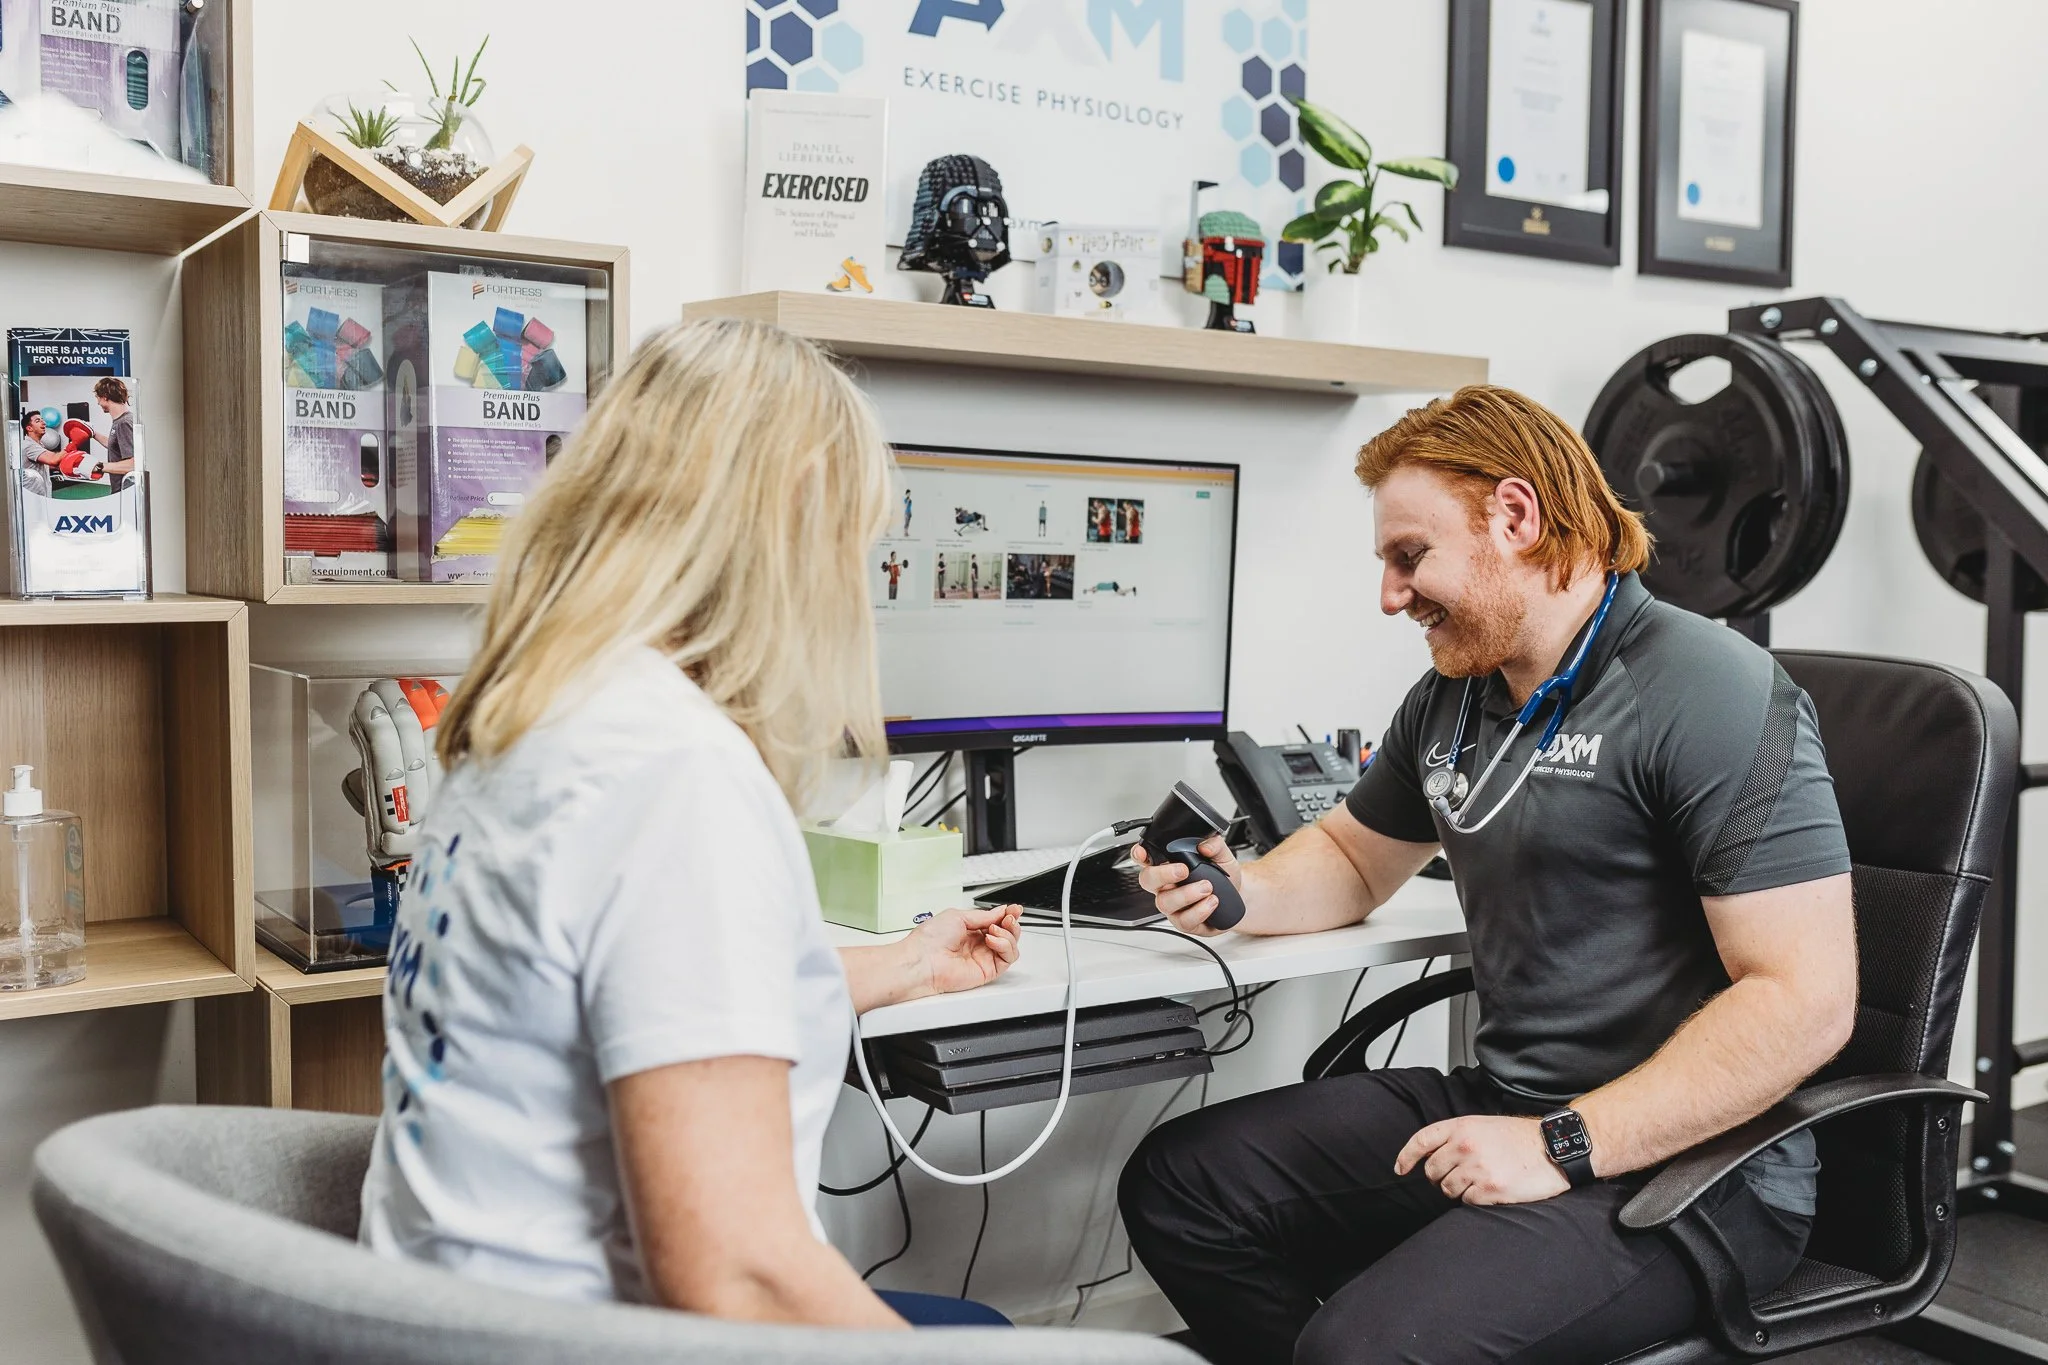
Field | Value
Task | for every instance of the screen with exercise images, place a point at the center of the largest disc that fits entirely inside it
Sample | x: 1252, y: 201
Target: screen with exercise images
x: 1074, y: 598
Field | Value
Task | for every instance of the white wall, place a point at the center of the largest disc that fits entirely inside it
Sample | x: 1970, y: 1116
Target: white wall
x: 1916, y: 129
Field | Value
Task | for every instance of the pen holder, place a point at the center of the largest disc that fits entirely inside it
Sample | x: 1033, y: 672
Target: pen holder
x: 882, y: 882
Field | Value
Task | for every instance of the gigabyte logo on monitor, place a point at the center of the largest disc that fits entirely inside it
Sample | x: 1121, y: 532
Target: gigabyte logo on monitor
x: 1038, y: 738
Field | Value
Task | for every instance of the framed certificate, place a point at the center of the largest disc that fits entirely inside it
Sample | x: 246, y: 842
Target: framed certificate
x: 1535, y: 102
x: 1719, y: 85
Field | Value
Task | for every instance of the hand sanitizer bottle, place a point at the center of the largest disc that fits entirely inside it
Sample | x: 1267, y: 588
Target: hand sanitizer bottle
x: 42, y: 890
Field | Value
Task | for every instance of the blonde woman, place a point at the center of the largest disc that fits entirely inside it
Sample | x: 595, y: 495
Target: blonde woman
x: 616, y: 1028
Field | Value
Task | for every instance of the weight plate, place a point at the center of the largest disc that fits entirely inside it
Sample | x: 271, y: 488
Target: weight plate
x: 1804, y: 518
x: 1830, y: 446
x: 1951, y: 533
x: 1743, y: 491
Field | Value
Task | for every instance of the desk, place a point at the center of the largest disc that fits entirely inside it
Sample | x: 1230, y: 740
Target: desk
x: 1420, y: 920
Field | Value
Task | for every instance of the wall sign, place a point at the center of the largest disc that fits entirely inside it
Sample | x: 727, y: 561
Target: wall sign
x: 1719, y: 85
x: 1095, y: 111
x: 1535, y: 91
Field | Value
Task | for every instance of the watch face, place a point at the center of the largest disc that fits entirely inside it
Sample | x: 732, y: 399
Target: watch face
x: 1565, y: 1136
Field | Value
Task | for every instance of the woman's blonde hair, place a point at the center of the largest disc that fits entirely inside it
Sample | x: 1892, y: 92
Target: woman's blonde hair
x: 718, y: 504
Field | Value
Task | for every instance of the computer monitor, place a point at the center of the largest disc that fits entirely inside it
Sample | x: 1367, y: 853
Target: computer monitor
x: 1024, y: 598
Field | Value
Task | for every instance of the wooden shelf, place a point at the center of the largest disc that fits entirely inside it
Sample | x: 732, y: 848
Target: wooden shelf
x: 131, y: 213
x: 934, y: 334
x: 233, y: 291
x: 113, y: 212
x: 131, y: 962
x: 81, y: 611
x: 300, y: 1041
x: 295, y: 987
x: 381, y: 594
x: 136, y: 716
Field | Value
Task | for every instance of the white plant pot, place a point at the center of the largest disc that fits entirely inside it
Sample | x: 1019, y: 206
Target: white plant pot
x: 1330, y: 305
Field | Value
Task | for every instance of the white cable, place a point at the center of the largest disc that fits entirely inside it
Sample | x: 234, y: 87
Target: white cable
x: 860, y: 1053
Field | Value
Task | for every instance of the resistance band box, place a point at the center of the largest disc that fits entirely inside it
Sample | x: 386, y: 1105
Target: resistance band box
x: 77, y: 504
x: 337, y: 466
x: 488, y: 377
x: 119, y: 59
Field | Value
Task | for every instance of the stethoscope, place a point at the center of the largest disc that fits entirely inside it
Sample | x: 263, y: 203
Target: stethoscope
x: 1446, y: 788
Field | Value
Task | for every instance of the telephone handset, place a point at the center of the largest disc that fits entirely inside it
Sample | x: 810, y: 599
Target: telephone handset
x: 1281, y: 787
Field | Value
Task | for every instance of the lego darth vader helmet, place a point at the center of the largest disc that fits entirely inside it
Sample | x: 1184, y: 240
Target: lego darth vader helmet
x: 959, y: 221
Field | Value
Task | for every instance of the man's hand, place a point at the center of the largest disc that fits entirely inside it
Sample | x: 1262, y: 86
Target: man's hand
x: 957, y: 950
x: 1485, y: 1159
x: 1189, y: 907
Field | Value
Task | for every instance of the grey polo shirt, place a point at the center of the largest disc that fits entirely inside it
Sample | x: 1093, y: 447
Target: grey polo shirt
x: 1688, y: 765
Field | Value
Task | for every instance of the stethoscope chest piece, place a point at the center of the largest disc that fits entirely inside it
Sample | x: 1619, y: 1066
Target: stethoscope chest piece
x: 1442, y: 784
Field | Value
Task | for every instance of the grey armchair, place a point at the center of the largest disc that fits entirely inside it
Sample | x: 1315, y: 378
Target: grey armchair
x: 227, y: 1235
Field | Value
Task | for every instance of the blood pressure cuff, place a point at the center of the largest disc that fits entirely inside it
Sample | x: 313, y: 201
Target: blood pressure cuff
x: 393, y: 726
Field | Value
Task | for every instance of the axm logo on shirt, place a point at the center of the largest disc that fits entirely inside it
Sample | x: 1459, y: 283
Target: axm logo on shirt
x: 1579, y: 751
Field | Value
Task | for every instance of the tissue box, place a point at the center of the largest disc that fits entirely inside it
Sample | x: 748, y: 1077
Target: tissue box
x: 883, y: 882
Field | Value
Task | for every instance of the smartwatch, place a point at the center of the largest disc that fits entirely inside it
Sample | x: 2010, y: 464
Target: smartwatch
x: 1566, y: 1143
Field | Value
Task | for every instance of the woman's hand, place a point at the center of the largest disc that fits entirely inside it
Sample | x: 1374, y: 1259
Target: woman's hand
x: 954, y: 950
x: 957, y: 950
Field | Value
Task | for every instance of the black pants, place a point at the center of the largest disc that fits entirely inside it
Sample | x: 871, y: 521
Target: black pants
x: 1277, y: 1227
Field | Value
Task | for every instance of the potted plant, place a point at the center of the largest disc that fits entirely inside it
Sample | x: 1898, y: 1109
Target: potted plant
x: 434, y: 143
x: 1348, y: 217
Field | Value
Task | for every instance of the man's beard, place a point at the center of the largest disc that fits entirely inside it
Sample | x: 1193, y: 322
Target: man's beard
x: 1481, y: 632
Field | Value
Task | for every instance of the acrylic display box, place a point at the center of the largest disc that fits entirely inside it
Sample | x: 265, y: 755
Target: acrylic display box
x: 126, y: 127
x: 380, y: 400
x: 321, y: 904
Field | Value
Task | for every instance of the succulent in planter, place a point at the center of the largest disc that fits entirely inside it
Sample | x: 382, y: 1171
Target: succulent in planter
x: 1348, y: 216
x: 368, y: 129
x: 436, y: 144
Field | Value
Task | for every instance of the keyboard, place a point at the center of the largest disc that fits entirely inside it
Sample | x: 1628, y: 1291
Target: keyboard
x: 986, y: 869
x: 1106, y: 891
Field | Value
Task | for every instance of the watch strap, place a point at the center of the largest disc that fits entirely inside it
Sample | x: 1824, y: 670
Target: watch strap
x: 1578, y: 1170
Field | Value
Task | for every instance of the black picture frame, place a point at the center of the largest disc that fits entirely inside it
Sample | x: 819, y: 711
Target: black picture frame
x: 1669, y: 244
x: 1472, y: 217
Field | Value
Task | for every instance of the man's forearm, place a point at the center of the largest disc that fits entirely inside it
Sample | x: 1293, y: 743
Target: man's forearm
x: 1747, y: 1049
x: 1305, y: 885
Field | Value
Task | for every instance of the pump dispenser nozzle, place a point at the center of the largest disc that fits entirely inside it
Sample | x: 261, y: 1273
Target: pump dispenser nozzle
x: 21, y: 800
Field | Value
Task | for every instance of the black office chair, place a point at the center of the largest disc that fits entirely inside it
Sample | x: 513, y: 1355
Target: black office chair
x: 1925, y: 760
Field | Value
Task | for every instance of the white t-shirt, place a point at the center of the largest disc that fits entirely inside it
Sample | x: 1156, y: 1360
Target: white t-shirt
x: 626, y: 888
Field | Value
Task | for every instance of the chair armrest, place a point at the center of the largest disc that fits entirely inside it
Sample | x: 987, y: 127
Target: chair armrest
x: 1342, y: 1053
x: 1690, y: 1174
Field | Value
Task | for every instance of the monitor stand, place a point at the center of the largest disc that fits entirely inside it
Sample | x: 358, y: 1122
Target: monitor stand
x: 991, y: 800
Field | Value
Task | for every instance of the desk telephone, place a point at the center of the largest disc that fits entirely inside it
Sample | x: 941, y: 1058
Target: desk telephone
x: 1281, y: 787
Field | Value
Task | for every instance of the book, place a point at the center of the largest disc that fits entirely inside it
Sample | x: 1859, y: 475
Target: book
x: 77, y: 486
x: 815, y: 175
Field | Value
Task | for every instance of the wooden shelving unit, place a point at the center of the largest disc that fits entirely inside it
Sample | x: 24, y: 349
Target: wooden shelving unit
x: 299, y: 1041
x: 891, y: 330
x: 136, y: 716
x: 132, y: 962
x: 234, y: 401
x: 113, y: 212
x: 125, y: 213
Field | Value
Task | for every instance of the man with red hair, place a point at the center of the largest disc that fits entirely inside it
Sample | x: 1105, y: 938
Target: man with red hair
x: 1637, y: 811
